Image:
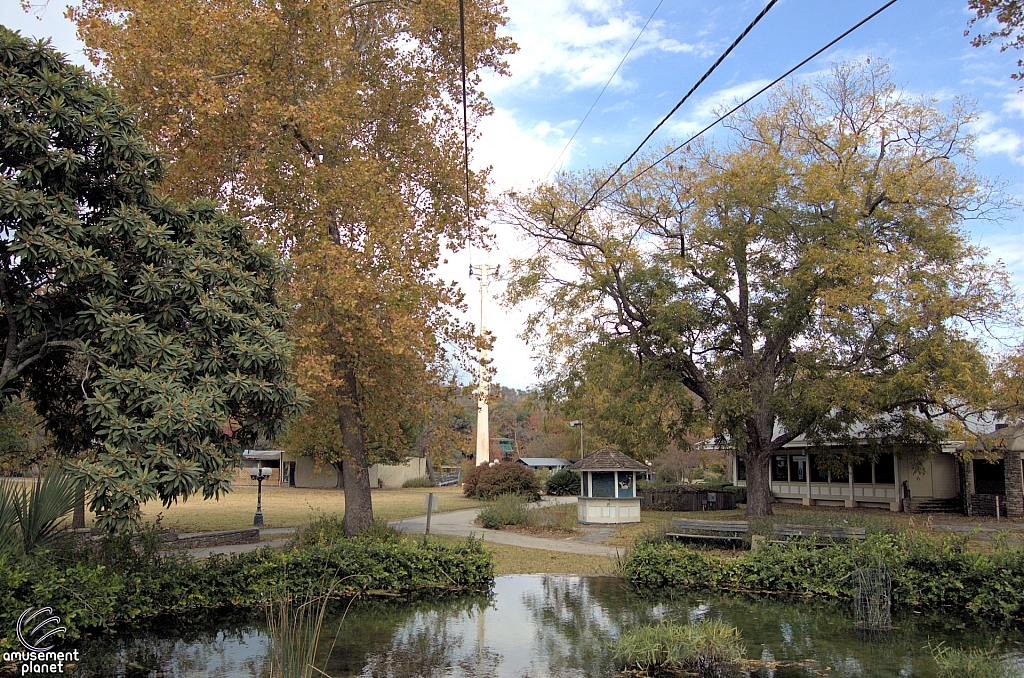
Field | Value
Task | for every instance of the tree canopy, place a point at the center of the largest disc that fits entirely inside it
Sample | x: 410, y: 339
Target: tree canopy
x: 811, y: 276
x: 159, y: 324
x: 1010, y: 16
x: 335, y: 129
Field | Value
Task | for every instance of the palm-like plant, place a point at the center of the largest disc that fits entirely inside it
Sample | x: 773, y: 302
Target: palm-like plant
x: 31, y: 517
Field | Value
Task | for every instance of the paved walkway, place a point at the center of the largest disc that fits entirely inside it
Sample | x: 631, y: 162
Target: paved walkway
x: 460, y: 524
x: 456, y: 524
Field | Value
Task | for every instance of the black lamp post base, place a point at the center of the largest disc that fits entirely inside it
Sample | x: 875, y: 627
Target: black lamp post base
x: 257, y: 521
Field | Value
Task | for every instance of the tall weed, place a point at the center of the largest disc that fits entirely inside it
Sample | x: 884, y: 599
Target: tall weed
x: 708, y: 648
x: 959, y: 663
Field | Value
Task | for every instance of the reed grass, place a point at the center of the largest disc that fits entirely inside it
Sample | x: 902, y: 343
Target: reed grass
x: 953, y: 662
x: 711, y: 648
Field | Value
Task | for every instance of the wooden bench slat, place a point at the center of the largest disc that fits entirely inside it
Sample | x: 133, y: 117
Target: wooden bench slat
x: 821, y: 531
x: 711, y: 525
x: 705, y: 536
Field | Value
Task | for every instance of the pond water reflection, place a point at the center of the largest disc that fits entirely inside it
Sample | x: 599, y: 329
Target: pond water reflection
x: 543, y: 626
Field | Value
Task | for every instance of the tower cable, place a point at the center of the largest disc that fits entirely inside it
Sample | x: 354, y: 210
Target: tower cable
x: 675, y: 108
x: 465, y: 121
x: 601, y: 93
x: 751, y: 98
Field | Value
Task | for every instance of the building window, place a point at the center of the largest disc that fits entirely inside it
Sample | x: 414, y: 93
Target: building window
x: 604, y: 484
x: 989, y: 477
x: 862, y: 472
x: 798, y: 469
x: 817, y: 475
x: 885, y: 471
x: 741, y: 469
x: 780, y: 468
x: 625, y: 485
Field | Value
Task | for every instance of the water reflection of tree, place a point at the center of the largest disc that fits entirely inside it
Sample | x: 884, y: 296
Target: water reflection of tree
x: 383, y: 640
x: 172, y: 646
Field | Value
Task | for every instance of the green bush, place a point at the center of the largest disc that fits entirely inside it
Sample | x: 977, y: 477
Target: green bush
x: 563, y: 483
x: 925, y: 572
x: 99, y: 590
x: 488, y: 482
x: 707, y: 648
x: 543, y: 475
x: 509, y: 509
x: 422, y: 481
x: 959, y: 663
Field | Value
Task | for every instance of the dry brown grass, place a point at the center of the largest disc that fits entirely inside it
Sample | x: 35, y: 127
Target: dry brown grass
x: 291, y: 507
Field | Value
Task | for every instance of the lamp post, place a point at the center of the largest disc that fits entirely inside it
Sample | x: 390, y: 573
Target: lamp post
x: 259, y: 475
x: 574, y: 424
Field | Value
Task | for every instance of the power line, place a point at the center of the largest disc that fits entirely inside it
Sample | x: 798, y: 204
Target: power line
x: 465, y: 120
x: 601, y: 93
x: 752, y: 97
x: 675, y: 108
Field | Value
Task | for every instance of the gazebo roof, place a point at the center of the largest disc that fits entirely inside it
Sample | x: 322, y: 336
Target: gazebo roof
x: 608, y: 459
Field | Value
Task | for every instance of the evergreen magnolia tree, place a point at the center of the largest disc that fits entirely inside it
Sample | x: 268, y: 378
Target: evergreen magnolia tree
x: 148, y: 333
x: 810, y: 277
x: 335, y: 128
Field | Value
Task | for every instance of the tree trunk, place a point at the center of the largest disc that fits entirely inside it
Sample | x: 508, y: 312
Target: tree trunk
x: 340, y: 470
x: 78, y: 517
x: 356, y: 468
x: 759, y: 486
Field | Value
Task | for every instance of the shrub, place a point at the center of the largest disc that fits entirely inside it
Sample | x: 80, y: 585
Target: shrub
x: 707, y: 648
x: 564, y: 483
x: 543, y: 475
x: 90, y: 594
x: 488, y: 482
x: 422, y: 481
x: 509, y: 509
x: 925, y: 572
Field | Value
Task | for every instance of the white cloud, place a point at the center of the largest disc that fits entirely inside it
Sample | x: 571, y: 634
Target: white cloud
x: 704, y: 111
x: 579, y: 41
x: 518, y: 157
x: 991, y: 137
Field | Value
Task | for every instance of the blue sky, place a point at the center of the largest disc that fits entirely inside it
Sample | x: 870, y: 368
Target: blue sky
x: 569, y: 49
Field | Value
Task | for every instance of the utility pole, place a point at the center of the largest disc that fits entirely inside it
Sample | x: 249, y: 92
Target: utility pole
x: 483, y: 433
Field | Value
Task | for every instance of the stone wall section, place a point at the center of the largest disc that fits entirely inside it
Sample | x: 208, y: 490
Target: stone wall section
x: 1014, y: 491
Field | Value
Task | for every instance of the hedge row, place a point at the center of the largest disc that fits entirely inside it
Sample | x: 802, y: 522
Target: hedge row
x: 89, y: 594
x: 925, y: 572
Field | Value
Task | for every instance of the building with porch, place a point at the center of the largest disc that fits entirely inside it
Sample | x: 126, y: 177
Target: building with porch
x: 291, y: 471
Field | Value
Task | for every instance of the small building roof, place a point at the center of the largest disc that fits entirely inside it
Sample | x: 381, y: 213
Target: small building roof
x: 608, y: 459
x: 262, y: 454
x: 544, y: 461
x: 1010, y: 438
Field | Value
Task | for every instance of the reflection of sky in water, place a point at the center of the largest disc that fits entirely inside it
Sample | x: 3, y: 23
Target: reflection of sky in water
x: 545, y: 627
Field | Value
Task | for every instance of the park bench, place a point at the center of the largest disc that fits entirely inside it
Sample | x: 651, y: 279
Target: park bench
x: 822, y: 534
x: 721, y: 530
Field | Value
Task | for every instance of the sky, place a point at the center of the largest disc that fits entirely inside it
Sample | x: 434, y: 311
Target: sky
x: 569, y: 49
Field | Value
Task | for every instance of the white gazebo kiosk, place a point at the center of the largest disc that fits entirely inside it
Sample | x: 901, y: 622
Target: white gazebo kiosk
x: 608, y: 492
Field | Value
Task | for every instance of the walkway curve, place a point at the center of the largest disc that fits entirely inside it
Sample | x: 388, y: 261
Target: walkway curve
x: 460, y: 524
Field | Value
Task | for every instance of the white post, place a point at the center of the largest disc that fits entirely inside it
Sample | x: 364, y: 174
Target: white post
x: 483, y: 434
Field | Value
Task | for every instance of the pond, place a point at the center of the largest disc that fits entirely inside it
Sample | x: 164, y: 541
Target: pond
x: 538, y: 626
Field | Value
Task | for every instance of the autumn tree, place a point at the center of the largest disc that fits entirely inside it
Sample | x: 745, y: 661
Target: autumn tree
x: 147, y: 333
x: 810, y: 276
x: 335, y: 128
x: 1009, y: 14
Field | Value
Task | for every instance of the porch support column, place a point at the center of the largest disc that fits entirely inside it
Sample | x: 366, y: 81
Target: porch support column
x: 806, y: 501
x: 851, y: 502
x: 968, y: 486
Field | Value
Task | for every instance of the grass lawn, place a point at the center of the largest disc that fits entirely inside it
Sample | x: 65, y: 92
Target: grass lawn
x: 518, y: 560
x: 291, y: 507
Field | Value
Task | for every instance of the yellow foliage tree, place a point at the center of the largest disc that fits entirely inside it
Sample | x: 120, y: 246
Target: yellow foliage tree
x: 335, y: 129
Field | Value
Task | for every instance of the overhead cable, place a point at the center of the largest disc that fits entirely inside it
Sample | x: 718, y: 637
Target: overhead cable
x: 686, y: 96
x: 752, y: 97
x: 601, y: 93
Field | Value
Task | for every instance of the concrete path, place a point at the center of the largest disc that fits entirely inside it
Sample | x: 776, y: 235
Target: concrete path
x: 460, y: 524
